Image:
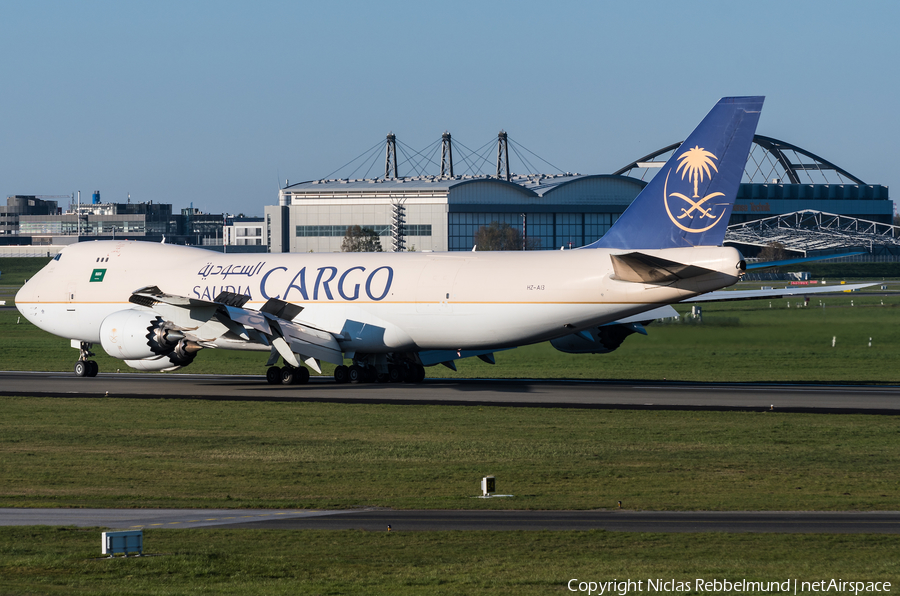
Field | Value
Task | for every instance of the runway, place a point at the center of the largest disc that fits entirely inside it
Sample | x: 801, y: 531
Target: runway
x: 659, y: 395
x: 378, y: 520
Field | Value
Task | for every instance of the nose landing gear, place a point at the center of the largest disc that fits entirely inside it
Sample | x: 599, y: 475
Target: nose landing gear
x: 85, y: 367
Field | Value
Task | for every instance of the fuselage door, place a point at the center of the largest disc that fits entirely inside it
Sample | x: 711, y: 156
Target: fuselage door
x: 70, y: 298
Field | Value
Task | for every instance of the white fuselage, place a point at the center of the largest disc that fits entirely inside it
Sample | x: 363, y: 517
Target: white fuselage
x: 372, y: 302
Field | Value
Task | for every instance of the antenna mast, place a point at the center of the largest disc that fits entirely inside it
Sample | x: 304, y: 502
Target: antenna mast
x: 446, y: 155
x: 390, y: 157
x: 502, y: 156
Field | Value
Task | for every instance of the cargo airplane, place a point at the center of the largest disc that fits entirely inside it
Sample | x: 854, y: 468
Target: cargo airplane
x: 156, y: 305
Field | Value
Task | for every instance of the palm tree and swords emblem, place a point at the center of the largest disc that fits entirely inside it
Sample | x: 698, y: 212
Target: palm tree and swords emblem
x: 695, y: 164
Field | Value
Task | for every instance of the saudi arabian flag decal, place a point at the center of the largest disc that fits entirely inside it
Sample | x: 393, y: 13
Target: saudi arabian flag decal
x: 98, y: 274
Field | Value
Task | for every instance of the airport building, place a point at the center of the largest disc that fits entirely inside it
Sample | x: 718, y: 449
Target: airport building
x: 32, y: 221
x: 18, y: 206
x: 444, y: 212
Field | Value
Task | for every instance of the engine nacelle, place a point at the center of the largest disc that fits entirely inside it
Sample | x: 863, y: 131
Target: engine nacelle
x: 145, y: 341
x: 160, y: 363
x: 602, y: 340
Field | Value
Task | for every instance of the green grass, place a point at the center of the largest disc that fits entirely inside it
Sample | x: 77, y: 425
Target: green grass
x: 15, y: 270
x: 190, y: 453
x: 65, y: 561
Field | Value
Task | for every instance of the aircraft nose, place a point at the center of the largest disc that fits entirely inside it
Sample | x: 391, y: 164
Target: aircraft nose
x: 26, y: 301
x: 25, y: 293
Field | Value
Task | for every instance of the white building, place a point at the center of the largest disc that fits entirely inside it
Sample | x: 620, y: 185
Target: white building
x: 244, y: 231
x: 443, y: 213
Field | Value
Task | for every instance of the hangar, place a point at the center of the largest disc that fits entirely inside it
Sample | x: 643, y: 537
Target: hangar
x: 443, y: 211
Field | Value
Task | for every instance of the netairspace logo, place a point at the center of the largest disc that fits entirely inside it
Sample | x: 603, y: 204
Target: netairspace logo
x: 724, y: 586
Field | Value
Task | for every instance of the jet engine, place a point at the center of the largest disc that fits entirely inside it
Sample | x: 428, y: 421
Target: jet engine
x: 145, y: 341
x: 599, y: 340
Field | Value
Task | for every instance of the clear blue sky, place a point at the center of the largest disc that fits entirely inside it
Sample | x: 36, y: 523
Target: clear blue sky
x: 216, y: 102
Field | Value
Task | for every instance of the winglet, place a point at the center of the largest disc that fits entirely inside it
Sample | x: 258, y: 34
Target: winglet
x: 689, y: 201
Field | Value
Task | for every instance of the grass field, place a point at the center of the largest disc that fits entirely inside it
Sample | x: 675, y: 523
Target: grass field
x: 192, y: 453
x: 65, y: 561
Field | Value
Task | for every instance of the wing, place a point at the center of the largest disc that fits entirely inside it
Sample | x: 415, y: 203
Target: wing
x: 224, y: 320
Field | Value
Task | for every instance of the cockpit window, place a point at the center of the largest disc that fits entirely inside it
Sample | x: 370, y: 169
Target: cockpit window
x: 56, y: 258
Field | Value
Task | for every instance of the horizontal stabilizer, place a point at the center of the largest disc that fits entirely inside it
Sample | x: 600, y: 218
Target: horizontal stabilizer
x: 642, y: 268
x: 785, y: 262
x: 729, y: 295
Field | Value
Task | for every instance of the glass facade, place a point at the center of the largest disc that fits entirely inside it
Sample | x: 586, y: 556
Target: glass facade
x: 91, y: 227
x: 546, y: 231
x: 380, y: 230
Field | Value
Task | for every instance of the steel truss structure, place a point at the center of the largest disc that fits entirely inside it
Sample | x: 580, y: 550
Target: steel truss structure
x: 816, y: 231
x: 770, y: 161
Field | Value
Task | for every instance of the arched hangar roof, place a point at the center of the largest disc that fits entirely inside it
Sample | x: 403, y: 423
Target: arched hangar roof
x: 569, y: 189
x: 769, y: 159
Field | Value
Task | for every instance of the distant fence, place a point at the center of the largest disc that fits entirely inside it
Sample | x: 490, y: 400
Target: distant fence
x: 30, y: 251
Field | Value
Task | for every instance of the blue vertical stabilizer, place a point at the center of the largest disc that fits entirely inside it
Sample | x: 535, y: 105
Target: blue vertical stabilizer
x: 689, y: 202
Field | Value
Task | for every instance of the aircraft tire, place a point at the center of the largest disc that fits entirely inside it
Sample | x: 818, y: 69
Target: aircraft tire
x: 273, y: 375
x: 355, y: 374
x: 395, y: 374
x: 341, y: 374
x: 288, y: 374
x: 301, y: 376
x: 81, y: 368
x: 92, y: 368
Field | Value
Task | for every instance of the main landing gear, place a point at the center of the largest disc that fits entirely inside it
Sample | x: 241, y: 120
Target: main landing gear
x: 361, y: 371
x: 85, y: 367
x: 287, y: 375
x: 403, y: 372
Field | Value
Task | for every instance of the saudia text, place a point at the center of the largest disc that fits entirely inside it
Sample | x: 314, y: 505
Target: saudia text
x: 323, y: 283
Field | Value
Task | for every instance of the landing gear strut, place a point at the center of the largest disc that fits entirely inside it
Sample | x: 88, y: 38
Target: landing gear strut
x: 85, y: 367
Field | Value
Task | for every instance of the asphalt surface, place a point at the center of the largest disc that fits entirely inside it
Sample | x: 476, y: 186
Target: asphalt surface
x: 378, y: 520
x: 525, y: 393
